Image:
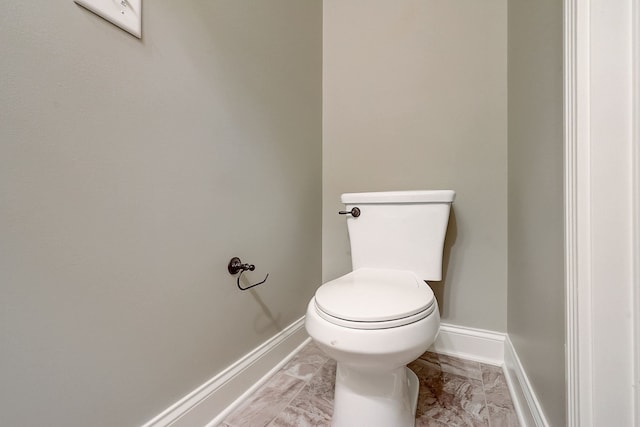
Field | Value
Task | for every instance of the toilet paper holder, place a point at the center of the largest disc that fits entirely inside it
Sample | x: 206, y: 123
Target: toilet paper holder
x: 236, y: 266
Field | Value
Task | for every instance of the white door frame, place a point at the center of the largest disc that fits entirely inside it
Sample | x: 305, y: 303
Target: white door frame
x: 602, y: 186
x: 576, y: 160
x: 636, y: 203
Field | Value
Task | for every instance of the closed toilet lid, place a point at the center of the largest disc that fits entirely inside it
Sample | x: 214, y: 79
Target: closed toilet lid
x: 374, y: 295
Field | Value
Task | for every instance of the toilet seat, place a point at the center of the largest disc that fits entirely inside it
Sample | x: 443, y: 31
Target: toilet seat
x: 370, y: 298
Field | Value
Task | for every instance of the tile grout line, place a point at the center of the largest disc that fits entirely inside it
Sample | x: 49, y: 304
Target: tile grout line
x: 484, y: 394
x: 286, y: 405
x: 305, y: 383
x: 269, y: 383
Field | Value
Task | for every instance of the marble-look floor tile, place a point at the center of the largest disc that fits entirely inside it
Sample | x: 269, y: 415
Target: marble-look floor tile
x: 313, y: 406
x: 306, y: 362
x: 317, y: 395
x: 428, y: 422
x: 501, y: 417
x: 499, y: 403
x: 495, y: 385
x: 453, y: 365
x: 293, y: 416
x: 449, y: 398
x: 266, y: 403
x: 453, y: 392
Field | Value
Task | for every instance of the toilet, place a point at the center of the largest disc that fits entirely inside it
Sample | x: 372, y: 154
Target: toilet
x: 382, y: 315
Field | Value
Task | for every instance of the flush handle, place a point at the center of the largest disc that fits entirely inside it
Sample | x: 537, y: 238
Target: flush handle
x: 354, y: 212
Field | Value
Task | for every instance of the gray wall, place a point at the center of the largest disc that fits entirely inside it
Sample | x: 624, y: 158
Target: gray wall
x: 536, y: 266
x: 415, y: 98
x: 130, y: 172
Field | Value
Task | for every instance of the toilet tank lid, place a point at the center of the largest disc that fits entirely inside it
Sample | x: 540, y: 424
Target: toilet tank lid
x: 416, y: 196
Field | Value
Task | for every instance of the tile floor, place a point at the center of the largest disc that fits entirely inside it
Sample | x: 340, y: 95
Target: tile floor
x: 453, y: 392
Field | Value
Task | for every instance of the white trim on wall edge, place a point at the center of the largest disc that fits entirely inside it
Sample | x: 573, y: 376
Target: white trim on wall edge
x: 577, y: 221
x: 524, y: 398
x: 636, y: 203
x: 224, y: 392
x: 470, y: 343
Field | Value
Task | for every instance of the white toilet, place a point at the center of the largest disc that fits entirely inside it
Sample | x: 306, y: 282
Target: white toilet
x: 382, y: 315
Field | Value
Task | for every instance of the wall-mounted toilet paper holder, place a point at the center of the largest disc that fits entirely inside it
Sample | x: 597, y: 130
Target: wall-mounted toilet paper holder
x: 236, y: 266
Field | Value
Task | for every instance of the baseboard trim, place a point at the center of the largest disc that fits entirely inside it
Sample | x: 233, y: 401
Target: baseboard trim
x: 223, y: 393
x: 524, y: 398
x: 470, y: 343
x: 213, y: 401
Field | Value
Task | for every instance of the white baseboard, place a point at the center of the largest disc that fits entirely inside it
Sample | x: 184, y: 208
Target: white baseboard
x: 210, y: 403
x: 524, y: 399
x: 470, y: 343
x: 496, y: 349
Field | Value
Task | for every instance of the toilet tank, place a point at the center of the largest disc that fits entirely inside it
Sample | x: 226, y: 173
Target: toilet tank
x: 400, y: 230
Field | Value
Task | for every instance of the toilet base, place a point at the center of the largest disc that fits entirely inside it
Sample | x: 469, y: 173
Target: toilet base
x: 375, y: 399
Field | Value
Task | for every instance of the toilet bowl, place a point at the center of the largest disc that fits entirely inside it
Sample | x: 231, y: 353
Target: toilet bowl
x: 373, y: 322
x: 382, y: 315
